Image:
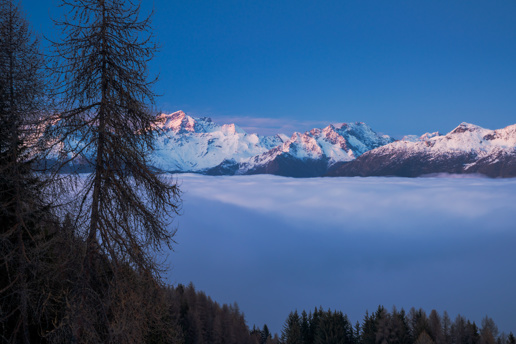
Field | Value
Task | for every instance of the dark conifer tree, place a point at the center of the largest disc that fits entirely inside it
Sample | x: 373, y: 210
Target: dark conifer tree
x: 305, y: 327
x: 472, y: 335
x: 314, y: 324
x: 291, y: 333
x: 384, y: 327
x: 24, y: 213
x: 265, y: 335
x: 369, y: 327
x: 418, y: 322
x: 256, y: 335
x: 401, y: 327
x: 357, y: 333
x: 334, y: 328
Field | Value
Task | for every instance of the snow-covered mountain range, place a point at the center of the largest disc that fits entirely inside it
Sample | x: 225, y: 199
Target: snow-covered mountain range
x: 187, y: 144
x: 466, y: 149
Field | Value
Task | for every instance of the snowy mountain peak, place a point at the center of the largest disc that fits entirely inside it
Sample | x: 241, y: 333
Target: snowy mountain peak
x: 330, y: 131
x: 180, y: 123
x: 314, y: 132
x: 302, y: 146
x: 428, y: 136
x: 312, y: 152
x: 464, y: 127
x: 351, y: 125
x: 230, y: 129
x: 466, y: 149
x: 197, y: 144
x: 176, y: 121
x: 503, y: 137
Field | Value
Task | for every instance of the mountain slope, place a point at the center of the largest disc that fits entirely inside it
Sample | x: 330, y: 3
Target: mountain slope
x: 309, y: 154
x: 466, y: 149
x: 187, y: 144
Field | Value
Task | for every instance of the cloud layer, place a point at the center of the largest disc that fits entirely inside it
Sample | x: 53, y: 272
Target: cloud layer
x: 276, y: 244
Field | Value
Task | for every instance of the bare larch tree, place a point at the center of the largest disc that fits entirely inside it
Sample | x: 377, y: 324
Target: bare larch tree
x: 106, y: 118
x: 124, y: 206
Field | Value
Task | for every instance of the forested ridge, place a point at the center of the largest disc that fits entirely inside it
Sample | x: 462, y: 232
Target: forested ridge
x: 382, y: 327
x: 77, y: 254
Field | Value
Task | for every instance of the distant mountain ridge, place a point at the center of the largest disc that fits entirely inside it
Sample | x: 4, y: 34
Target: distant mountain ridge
x: 187, y: 144
x: 199, y: 145
x: 466, y: 149
x: 310, y: 154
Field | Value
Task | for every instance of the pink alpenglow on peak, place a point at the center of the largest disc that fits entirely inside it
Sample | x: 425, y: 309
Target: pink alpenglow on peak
x: 189, y: 144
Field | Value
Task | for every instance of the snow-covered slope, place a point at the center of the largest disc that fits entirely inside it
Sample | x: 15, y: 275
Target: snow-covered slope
x: 188, y: 144
x: 466, y: 149
x: 311, y: 153
x: 192, y: 144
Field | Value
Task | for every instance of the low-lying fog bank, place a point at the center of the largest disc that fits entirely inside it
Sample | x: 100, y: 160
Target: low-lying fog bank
x: 275, y: 244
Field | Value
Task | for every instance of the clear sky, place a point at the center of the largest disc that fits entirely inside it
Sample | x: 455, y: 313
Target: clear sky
x: 403, y: 67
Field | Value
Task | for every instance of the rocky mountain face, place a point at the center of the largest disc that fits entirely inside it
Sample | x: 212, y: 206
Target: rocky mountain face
x: 187, y: 144
x: 466, y: 149
x: 312, y: 153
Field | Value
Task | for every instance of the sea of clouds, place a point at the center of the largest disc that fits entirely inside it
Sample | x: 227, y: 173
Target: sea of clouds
x: 275, y: 244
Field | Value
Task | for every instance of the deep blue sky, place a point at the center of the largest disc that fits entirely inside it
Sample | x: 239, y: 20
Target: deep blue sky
x: 403, y: 67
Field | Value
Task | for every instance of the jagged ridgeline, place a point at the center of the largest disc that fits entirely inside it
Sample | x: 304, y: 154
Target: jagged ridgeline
x: 468, y: 149
x: 199, y: 145
x: 187, y: 144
